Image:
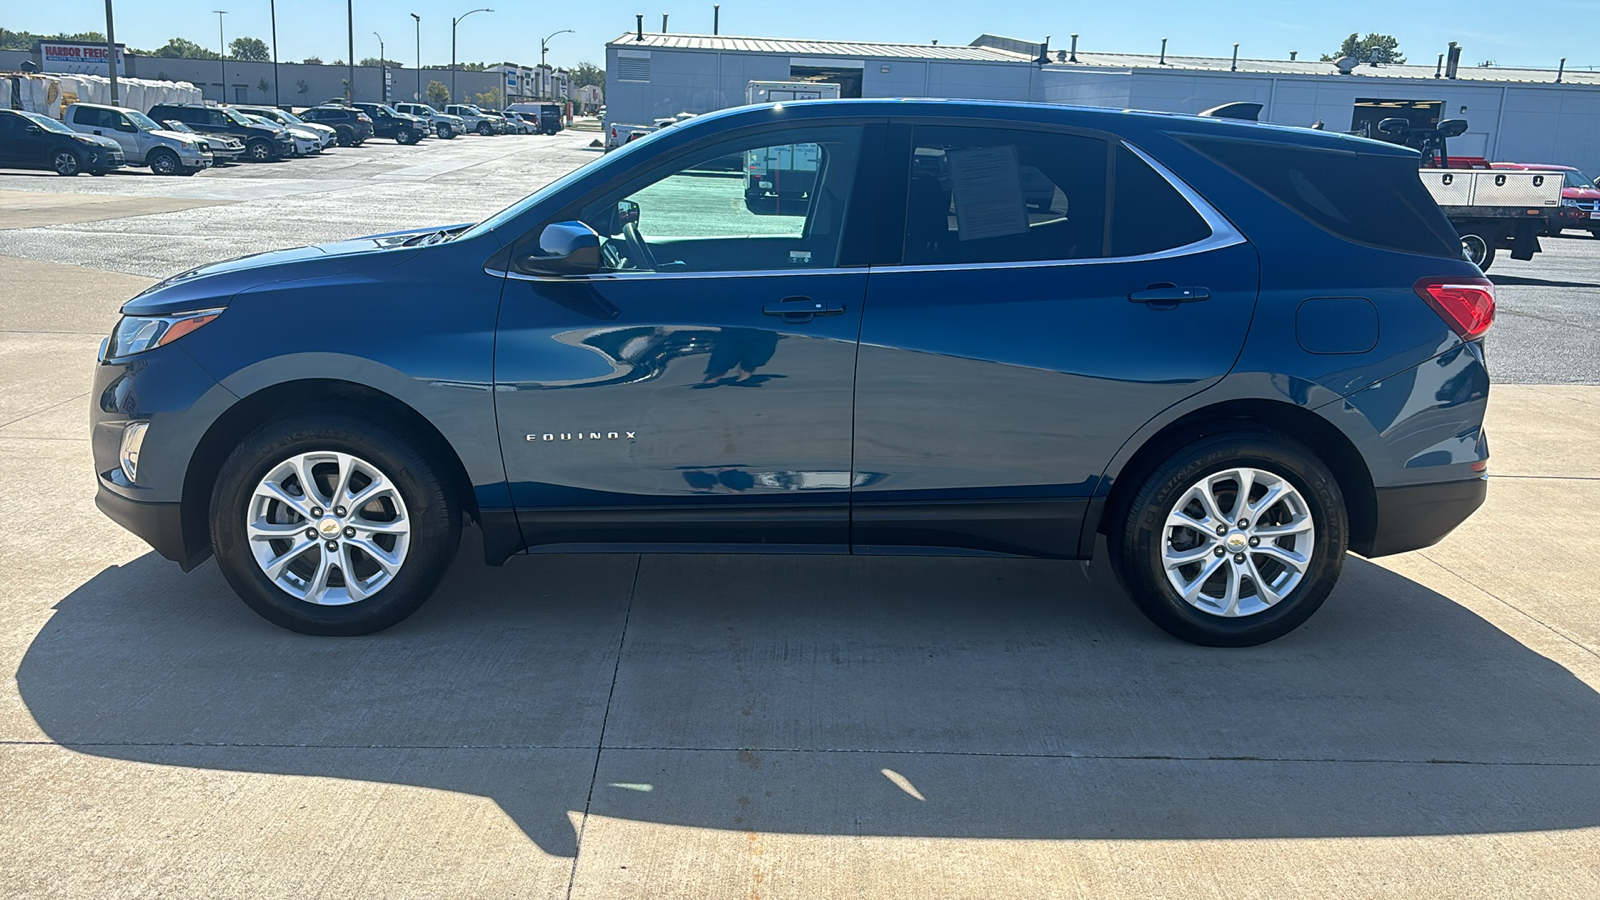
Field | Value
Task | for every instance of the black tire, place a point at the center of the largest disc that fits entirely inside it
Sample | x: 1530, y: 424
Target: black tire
x: 431, y: 508
x: 164, y: 162
x: 1138, y: 540
x: 260, y: 150
x: 485, y: 129
x: 405, y: 136
x: 1478, y: 250
x: 66, y: 162
x: 345, y: 134
x: 446, y: 132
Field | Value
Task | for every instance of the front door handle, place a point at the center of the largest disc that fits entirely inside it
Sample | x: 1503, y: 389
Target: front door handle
x: 802, y: 309
x: 1168, y: 296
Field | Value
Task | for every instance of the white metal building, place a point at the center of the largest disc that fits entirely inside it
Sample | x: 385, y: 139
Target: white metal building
x: 1523, y: 115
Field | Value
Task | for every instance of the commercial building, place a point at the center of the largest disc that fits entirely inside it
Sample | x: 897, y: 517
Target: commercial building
x: 1526, y: 115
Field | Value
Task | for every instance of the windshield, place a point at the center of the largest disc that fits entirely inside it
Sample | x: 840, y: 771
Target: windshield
x: 236, y: 117
x: 47, y: 123
x: 144, y: 122
x: 290, y: 117
x: 424, y: 108
x: 175, y: 125
x: 1576, y: 179
x: 618, y: 157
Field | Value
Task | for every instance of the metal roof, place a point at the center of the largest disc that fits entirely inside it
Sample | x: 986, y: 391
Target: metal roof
x: 787, y: 47
x: 1315, y: 67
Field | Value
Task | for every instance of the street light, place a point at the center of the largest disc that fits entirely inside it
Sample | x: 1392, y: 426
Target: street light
x: 111, y: 52
x: 544, y: 45
x: 453, y: 23
x: 383, y: 70
x: 418, y: 96
x: 222, y: 61
x: 277, y: 93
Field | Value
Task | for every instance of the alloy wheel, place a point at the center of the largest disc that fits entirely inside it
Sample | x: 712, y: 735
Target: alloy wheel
x: 328, y: 528
x: 66, y: 162
x: 1237, y: 542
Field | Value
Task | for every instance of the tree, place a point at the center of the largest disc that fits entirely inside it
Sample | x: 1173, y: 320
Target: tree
x: 374, y: 61
x: 311, y: 61
x: 24, y: 40
x: 491, y: 98
x: 178, y: 48
x: 263, y: 86
x: 437, y: 94
x: 587, y: 73
x: 249, y: 49
x: 1386, y: 47
x: 301, y: 88
x: 473, y: 67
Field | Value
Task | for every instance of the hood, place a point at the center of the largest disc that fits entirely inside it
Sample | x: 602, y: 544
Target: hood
x: 450, y: 118
x: 1580, y: 193
x: 178, y: 136
x: 99, y: 141
x: 217, y: 283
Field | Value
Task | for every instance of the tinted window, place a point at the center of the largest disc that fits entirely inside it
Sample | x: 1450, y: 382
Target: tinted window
x: 1374, y: 200
x: 1148, y: 213
x: 998, y: 195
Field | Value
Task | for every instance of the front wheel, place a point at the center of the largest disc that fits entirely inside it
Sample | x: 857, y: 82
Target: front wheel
x: 1235, y: 540
x: 446, y: 132
x: 330, y: 525
x: 165, y: 162
x: 405, y: 136
x: 65, y: 162
x: 1478, y: 250
x: 485, y: 129
x: 260, y: 150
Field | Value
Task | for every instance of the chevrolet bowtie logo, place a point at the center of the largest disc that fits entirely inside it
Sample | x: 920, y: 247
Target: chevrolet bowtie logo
x: 584, y: 436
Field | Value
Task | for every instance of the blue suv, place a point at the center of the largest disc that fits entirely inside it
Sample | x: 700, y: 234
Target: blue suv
x: 1234, y: 350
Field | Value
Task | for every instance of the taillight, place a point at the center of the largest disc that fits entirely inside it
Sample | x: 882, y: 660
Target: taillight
x: 1465, y: 304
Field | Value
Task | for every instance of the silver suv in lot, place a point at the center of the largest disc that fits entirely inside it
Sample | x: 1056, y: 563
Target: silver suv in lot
x: 444, y: 124
x: 144, y: 142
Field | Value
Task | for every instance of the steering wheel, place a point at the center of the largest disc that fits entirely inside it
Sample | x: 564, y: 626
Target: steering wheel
x: 638, y: 252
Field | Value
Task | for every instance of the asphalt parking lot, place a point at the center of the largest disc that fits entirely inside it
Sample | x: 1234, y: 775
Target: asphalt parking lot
x: 707, y: 726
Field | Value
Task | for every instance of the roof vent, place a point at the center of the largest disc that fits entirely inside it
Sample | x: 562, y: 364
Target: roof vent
x: 1346, y: 64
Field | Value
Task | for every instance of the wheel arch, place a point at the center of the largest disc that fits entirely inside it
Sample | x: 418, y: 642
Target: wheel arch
x: 1331, y: 446
x: 347, y: 397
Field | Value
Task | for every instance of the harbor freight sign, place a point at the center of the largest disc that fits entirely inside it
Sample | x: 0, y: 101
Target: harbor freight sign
x: 77, y: 59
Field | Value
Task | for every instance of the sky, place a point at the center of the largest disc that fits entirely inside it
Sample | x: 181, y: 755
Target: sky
x: 1533, y: 33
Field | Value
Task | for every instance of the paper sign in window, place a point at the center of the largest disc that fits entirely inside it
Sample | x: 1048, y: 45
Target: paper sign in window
x: 987, y: 185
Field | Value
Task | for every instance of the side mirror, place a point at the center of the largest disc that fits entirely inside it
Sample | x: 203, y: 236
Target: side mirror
x: 1453, y: 127
x: 126, y: 126
x: 565, y: 248
x: 1394, y: 125
x: 627, y: 214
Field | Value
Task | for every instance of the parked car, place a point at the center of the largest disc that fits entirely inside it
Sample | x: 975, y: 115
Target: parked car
x: 326, y: 135
x: 1233, y: 358
x: 1580, y: 197
x: 144, y: 142
x: 262, y: 142
x: 306, y: 141
x: 444, y: 125
x: 546, y: 116
x: 620, y: 135
x: 476, y: 120
x: 352, y: 125
x: 223, y: 148
x: 391, y: 123
x: 514, y: 122
x: 33, y: 141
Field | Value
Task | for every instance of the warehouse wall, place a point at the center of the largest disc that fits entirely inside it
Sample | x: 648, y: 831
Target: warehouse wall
x: 320, y: 82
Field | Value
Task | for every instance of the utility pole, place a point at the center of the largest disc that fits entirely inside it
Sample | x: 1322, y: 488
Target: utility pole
x: 453, y: 23
x: 111, y: 52
x: 383, y: 70
x: 544, y: 71
x: 418, y: 97
x: 350, y: 83
x: 277, y: 95
x: 222, y: 62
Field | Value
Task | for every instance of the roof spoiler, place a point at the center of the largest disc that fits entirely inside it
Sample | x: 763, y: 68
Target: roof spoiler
x: 1247, y: 112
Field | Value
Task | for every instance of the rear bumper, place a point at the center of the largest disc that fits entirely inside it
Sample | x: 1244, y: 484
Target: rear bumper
x: 158, y: 524
x: 1417, y: 516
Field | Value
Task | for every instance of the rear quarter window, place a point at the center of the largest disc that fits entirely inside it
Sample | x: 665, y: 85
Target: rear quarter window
x: 1374, y: 200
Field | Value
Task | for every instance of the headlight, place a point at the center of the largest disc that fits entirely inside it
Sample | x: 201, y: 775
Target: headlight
x: 136, y: 334
x: 132, y: 442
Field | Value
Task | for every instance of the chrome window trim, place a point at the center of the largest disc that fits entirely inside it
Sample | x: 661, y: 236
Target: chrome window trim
x: 1223, y: 234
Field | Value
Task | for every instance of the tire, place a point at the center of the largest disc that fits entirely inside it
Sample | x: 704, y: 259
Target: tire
x: 405, y: 137
x: 1308, y: 494
x: 164, y: 162
x: 485, y: 129
x: 66, y: 163
x: 446, y: 132
x: 259, y: 150
x: 1478, y: 250
x: 376, y: 597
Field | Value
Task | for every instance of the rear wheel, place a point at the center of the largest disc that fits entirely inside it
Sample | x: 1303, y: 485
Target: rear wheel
x: 1235, y: 540
x: 1478, y: 250
x: 346, y: 135
x: 327, y: 524
x: 65, y: 162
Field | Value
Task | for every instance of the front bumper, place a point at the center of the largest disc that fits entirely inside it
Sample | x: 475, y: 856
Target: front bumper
x: 158, y: 524
x: 1420, y: 515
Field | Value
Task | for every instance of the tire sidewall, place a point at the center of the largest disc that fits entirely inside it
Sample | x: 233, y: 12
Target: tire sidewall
x: 60, y: 169
x: 1139, y: 555
x: 165, y: 162
x: 260, y: 150
x: 434, y: 536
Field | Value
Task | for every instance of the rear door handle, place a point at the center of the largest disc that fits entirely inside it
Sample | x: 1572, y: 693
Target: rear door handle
x: 802, y: 309
x: 1169, y: 295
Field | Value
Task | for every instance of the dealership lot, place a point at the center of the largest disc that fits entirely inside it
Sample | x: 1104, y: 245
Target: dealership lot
x: 773, y: 726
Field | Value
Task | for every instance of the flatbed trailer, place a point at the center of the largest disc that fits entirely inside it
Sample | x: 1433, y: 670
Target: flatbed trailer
x: 1495, y: 210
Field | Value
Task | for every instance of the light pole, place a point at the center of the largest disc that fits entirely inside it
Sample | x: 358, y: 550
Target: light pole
x: 111, y: 52
x: 350, y: 80
x: 544, y: 45
x: 453, y: 23
x: 277, y: 95
x: 383, y: 70
x: 418, y: 96
x: 222, y: 61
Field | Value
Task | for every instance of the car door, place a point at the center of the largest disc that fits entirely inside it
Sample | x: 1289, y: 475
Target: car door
x: 1054, y: 292
x: 13, y: 131
x: 697, y: 390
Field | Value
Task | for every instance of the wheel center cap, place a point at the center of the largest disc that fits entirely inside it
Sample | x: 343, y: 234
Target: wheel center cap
x: 329, y: 526
x: 1236, y: 542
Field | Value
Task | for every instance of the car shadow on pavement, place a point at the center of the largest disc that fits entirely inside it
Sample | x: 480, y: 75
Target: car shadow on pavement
x: 972, y: 698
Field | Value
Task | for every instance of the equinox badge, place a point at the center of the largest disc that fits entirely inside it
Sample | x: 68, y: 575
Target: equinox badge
x: 584, y: 435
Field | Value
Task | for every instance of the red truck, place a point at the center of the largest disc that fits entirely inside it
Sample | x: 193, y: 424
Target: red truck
x: 1580, y: 198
